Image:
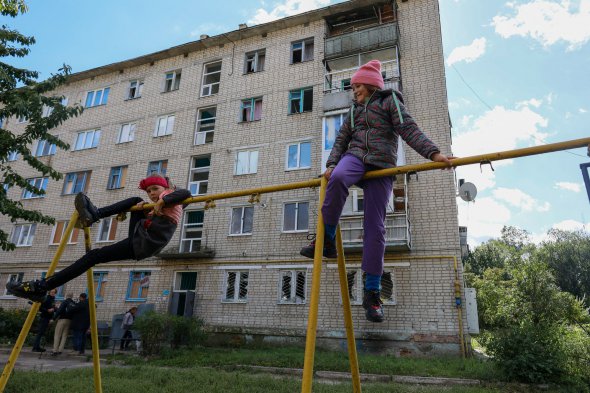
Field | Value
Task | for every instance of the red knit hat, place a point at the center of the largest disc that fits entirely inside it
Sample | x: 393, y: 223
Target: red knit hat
x: 369, y: 74
x: 153, y: 180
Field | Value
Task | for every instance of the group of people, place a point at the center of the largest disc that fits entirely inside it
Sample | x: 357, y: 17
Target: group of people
x: 70, y: 315
x: 367, y: 140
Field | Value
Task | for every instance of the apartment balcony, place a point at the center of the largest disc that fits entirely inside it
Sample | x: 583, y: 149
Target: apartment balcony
x: 365, y: 40
x: 188, y: 248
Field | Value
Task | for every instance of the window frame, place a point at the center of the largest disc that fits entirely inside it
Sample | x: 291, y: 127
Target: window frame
x: 111, y: 232
x: 302, y: 101
x: 47, y: 148
x: 357, y: 286
x: 12, y: 155
x: 92, y: 95
x: 74, y: 176
x: 100, y: 284
x: 202, y: 136
x: 95, y: 133
x: 19, y: 278
x: 258, y: 65
x: 186, y: 226
x: 17, y: 231
x: 293, y: 290
x: 172, y: 83
x: 43, y: 181
x: 304, y: 42
x: 137, y: 89
x: 295, y: 220
x: 132, y: 126
x: 54, y: 231
x: 169, y: 129
x: 287, y: 156
x: 242, y: 219
x: 201, y: 169
x: 238, y: 279
x: 121, y: 177
x: 139, y: 298
x: 162, y: 164
x: 249, y: 170
x: 250, y: 104
x: 210, y: 86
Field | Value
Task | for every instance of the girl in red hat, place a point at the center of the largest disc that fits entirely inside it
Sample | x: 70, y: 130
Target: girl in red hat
x: 368, y: 141
x: 149, y: 233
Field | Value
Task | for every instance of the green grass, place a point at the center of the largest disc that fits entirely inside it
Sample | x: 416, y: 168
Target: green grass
x: 148, y: 379
x: 292, y: 357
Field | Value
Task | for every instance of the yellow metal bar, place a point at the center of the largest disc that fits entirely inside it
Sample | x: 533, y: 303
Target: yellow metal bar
x: 348, y: 325
x: 18, y: 345
x: 312, y: 319
x: 93, y: 325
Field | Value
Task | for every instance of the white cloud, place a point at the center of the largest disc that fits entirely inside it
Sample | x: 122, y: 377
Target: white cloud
x: 286, y: 8
x: 582, y: 110
x: 532, y: 102
x: 564, y: 185
x: 571, y: 225
x: 467, y: 53
x: 460, y: 103
x: 520, y: 199
x: 484, y: 218
x: 547, y: 22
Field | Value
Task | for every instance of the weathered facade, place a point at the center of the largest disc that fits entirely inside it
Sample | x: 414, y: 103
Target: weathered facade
x: 253, y: 107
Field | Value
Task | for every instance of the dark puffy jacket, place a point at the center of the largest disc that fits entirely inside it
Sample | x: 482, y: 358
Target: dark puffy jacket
x: 65, y: 310
x: 80, y: 316
x: 47, y: 305
x: 376, y: 128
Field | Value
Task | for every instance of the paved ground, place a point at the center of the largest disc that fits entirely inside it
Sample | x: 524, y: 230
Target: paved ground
x: 28, y: 360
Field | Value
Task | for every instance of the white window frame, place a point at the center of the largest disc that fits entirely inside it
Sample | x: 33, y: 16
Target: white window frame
x: 89, y: 140
x: 54, y: 229
x: 23, y: 240
x: 44, y: 148
x: 134, y: 92
x: 12, y: 155
x: 38, y: 182
x: 186, y: 226
x: 172, y: 81
x: 254, y: 58
x: 356, y: 196
x: 127, y: 132
x: 103, y: 98
x: 22, y: 119
x: 18, y: 277
x: 200, y: 135
x: 303, y: 43
x: 108, y: 222
x: 241, y: 210
x: 239, y: 277
x: 178, y: 279
x: 298, y: 164
x: 201, y: 169
x: 206, y: 89
x: 168, y: 127
x: 357, y: 287
x: 293, y: 298
x: 296, y: 230
x: 252, y: 162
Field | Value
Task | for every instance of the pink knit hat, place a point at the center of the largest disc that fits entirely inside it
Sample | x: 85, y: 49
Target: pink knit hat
x: 369, y: 74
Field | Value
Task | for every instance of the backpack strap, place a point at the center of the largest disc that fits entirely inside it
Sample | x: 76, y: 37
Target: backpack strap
x: 352, y: 117
x: 399, y: 112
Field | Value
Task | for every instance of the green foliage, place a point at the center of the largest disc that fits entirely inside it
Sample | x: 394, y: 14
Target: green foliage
x: 11, y: 323
x: 160, y: 330
x: 21, y: 95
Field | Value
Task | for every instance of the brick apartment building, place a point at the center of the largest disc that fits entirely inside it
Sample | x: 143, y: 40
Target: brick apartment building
x: 253, y: 107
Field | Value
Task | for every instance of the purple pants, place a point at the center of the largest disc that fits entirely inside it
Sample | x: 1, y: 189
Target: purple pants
x: 349, y: 171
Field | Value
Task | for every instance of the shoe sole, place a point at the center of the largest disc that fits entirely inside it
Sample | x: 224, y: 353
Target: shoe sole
x: 311, y: 255
x: 83, y: 212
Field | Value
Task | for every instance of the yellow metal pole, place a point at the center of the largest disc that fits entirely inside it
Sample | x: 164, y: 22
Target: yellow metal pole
x: 348, y: 325
x: 18, y: 345
x: 93, y: 326
x: 312, y: 319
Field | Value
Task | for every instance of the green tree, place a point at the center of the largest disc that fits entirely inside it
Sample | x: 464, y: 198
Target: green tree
x: 22, y: 96
x: 568, y: 255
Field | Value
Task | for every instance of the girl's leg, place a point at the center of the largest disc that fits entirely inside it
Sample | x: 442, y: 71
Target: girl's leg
x: 118, y: 207
x: 376, y: 196
x: 135, y: 217
x: 348, y: 172
x: 114, y: 252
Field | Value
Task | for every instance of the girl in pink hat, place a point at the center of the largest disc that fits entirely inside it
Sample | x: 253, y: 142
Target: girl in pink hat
x: 149, y: 233
x: 368, y: 141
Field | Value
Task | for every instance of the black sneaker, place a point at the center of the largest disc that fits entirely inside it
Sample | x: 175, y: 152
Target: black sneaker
x: 373, y: 306
x: 38, y: 349
x: 88, y: 213
x: 329, y: 249
x: 32, y: 290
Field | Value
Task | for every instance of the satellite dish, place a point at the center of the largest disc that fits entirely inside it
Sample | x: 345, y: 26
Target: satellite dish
x: 467, y: 191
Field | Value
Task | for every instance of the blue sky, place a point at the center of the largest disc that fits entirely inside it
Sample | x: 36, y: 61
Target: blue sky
x: 517, y: 76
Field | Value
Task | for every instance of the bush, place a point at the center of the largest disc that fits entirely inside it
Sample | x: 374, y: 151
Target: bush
x: 159, y: 330
x: 11, y: 323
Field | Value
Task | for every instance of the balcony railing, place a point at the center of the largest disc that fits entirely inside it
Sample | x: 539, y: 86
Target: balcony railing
x: 366, y: 40
x: 337, y: 81
x: 195, y: 247
x: 397, y: 232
